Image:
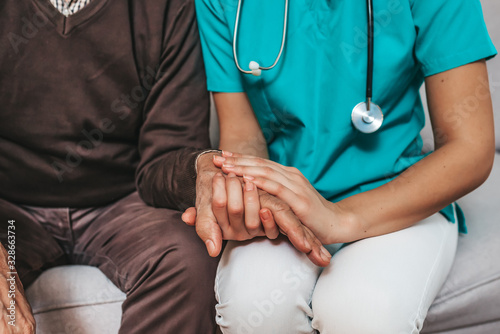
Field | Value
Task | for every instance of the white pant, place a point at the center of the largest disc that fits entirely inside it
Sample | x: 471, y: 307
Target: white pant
x: 379, y: 285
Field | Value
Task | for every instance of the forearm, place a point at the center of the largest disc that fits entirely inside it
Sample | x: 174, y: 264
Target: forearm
x: 425, y: 188
x: 239, y: 130
x: 245, y: 144
x: 170, y: 181
x: 4, y: 268
x: 462, y: 160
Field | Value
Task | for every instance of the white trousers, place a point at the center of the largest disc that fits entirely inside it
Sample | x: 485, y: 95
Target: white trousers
x: 379, y: 285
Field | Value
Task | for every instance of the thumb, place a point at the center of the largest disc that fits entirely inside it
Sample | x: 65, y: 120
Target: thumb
x: 209, y: 231
x: 189, y: 216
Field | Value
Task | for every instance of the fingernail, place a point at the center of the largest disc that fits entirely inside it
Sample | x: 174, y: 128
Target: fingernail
x: 248, y: 177
x: 249, y: 186
x: 307, y: 244
x: 265, y: 214
x: 218, y: 174
x: 227, y: 154
x: 227, y: 166
x: 210, y: 246
x: 219, y: 158
x: 325, y: 255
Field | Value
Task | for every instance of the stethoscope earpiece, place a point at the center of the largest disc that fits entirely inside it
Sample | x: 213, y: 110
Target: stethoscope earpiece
x: 255, y: 68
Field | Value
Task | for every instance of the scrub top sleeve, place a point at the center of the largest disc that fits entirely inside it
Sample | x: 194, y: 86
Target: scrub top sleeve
x: 450, y: 33
x: 217, y: 46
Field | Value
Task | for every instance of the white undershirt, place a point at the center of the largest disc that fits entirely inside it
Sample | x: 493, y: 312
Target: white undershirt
x: 69, y: 7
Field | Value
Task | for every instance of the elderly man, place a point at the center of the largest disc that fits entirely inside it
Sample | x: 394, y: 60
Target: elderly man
x: 103, y: 135
x: 103, y: 110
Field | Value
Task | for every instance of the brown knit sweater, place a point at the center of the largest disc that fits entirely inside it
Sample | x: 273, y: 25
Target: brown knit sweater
x: 98, y: 103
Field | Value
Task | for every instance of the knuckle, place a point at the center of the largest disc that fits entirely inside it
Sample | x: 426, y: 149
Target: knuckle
x: 303, y: 204
x: 273, y: 234
x: 280, y: 207
x: 299, y: 178
x: 219, y: 203
x: 216, y: 180
x: 267, y: 171
x: 241, y: 237
x: 252, y: 225
x: 28, y: 327
x: 280, y: 188
x: 259, y: 161
x: 265, y: 198
x: 235, y: 210
x: 232, y: 181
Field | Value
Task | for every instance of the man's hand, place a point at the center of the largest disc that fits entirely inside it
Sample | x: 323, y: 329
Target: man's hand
x: 274, y: 212
x: 207, y: 228
x: 13, y: 297
x: 212, y: 225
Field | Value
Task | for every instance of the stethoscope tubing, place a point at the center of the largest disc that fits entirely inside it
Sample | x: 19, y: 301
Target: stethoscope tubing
x: 371, y: 51
x: 366, y: 116
x: 235, y: 39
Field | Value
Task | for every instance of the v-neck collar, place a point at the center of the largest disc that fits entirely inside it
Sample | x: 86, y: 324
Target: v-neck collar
x: 63, y: 24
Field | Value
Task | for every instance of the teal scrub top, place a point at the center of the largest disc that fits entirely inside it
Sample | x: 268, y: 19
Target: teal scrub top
x: 304, y: 104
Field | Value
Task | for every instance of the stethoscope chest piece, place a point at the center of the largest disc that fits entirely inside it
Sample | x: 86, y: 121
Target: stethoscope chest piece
x: 367, y: 121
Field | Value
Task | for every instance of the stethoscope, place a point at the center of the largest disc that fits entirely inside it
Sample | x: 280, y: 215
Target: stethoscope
x: 366, y: 116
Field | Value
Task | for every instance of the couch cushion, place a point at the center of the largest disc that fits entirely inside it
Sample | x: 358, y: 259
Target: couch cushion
x: 471, y: 293
x: 75, y: 299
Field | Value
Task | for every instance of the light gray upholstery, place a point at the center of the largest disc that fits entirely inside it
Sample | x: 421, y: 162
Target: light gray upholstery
x: 471, y: 294
x: 75, y: 300
x: 81, y: 300
x: 469, y: 302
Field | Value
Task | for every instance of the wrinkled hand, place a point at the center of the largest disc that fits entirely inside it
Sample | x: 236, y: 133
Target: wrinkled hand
x: 24, y: 320
x: 225, y: 211
x: 236, y: 207
x: 289, y: 185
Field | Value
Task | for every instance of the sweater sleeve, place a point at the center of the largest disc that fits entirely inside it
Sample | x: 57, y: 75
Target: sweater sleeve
x: 176, y: 116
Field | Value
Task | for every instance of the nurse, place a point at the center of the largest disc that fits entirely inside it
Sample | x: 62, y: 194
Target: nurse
x: 384, y: 209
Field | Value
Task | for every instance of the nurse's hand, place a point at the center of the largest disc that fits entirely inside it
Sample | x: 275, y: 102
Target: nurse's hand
x: 274, y: 211
x: 289, y: 185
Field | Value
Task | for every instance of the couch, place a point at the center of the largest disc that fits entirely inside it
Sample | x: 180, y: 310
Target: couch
x: 81, y: 300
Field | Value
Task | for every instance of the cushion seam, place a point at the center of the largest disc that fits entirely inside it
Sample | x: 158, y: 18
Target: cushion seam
x: 447, y: 297
x: 61, y: 307
x: 482, y: 323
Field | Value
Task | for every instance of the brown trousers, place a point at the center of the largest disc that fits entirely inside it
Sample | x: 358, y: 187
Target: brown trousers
x: 150, y: 254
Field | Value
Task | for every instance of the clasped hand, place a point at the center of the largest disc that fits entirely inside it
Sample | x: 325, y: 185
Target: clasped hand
x: 240, y: 204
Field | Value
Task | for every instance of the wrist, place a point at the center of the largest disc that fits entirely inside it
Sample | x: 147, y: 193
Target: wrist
x: 204, y: 162
x: 344, y: 224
